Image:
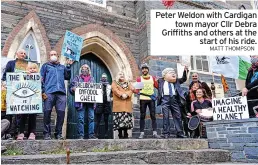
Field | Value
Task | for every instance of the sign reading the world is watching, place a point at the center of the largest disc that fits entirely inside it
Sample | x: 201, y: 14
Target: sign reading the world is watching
x: 23, y: 93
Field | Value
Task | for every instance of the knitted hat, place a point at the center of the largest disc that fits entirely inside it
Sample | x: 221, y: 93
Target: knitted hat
x: 104, y: 75
x: 167, y: 70
x: 145, y: 65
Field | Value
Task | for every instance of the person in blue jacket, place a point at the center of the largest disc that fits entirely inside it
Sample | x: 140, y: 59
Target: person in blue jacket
x: 54, y: 92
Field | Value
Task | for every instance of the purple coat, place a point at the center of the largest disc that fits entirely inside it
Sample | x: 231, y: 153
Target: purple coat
x: 77, y: 79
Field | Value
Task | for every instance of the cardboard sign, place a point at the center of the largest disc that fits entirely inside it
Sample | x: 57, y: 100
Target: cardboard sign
x: 89, y: 93
x: 72, y: 46
x: 23, y: 93
x: 219, y: 91
x: 230, y: 108
x: 20, y: 65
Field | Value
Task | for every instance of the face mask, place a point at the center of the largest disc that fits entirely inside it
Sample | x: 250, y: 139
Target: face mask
x: 85, y: 72
x: 53, y: 58
x: 254, y: 60
x: 103, y: 79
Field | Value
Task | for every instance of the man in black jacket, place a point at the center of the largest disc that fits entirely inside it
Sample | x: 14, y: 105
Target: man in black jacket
x: 251, y: 86
x: 170, y: 94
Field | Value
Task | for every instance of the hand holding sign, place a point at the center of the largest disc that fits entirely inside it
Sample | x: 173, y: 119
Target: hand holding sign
x: 244, y: 91
x: 139, y: 85
x: 69, y: 61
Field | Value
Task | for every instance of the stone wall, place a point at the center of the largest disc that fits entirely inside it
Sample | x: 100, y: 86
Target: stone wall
x: 59, y: 16
x: 238, y: 136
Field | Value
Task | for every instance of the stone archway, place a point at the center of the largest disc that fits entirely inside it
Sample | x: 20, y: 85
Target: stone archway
x: 108, y: 47
x: 31, y: 22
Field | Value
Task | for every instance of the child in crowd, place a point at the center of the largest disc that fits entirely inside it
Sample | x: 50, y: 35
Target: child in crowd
x: 31, y: 68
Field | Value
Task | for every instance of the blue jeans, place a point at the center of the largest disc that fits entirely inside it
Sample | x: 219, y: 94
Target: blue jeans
x: 80, y: 124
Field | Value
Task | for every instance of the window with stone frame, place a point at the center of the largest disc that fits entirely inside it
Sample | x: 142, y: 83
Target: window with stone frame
x: 200, y: 63
x: 101, y: 3
x: 29, y: 44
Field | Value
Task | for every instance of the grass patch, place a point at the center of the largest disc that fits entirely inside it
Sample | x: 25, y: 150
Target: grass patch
x: 106, y: 149
x: 12, y: 152
x: 57, y: 151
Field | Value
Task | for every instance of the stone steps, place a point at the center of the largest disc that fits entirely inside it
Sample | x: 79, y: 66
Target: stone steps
x: 38, y: 146
x: 207, y: 156
x: 114, y: 151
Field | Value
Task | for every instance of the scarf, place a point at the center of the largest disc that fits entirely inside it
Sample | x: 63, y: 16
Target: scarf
x: 146, y: 76
x: 104, y: 82
x: 123, y: 85
x: 86, y: 78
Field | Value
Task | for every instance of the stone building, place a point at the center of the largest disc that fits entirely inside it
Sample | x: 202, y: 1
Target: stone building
x: 116, y: 37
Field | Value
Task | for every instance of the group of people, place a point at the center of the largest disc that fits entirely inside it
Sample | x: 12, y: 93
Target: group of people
x: 182, y: 104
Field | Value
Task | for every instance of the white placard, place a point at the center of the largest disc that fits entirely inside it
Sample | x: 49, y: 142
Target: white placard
x: 138, y: 85
x: 230, y: 108
x: 204, y: 32
x: 89, y: 93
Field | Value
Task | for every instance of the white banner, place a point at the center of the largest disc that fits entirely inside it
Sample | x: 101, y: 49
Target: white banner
x: 89, y: 93
x: 230, y: 108
x: 199, y: 32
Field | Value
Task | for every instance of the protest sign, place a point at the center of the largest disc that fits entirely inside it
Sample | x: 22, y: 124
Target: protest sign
x: 138, y: 85
x: 89, y: 93
x: 230, y: 108
x: 72, y: 46
x: 20, y: 65
x: 219, y: 91
x: 23, y: 93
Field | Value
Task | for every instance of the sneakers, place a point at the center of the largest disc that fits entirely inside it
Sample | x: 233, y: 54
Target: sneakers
x: 47, y: 137
x: 156, y: 136
x: 141, y: 135
x: 59, y: 137
x: 81, y: 137
x: 32, y: 136
x: 20, y: 136
x: 92, y: 137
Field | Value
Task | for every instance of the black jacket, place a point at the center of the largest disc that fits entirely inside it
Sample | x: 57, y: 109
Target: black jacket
x: 10, y: 66
x: 252, y: 94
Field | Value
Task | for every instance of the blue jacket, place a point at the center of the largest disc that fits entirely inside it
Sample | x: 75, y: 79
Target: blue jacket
x: 74, y: 82
x: 9, y: 68
x: 53, y: 76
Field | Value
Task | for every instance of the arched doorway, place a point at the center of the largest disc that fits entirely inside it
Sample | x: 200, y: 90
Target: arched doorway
x: 97, y: 68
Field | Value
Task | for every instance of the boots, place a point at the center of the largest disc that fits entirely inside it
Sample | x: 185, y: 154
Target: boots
x: 120, y: 134
x: 125, y: 134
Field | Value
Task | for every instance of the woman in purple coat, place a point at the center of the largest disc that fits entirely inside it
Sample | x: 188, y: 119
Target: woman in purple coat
x: 84, y: 76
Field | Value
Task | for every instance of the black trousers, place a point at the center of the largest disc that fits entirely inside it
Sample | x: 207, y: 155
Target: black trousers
x: 31, y: 123
x: 143, y: 108
x: 98, y: 119
x: 251, y: 105
x: 171, y: 104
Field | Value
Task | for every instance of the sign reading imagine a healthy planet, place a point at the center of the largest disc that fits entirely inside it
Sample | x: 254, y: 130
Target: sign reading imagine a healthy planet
x: 23, y: 93
x: 230, y: 108
x: 72, y: 46
x: 89, y: 93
